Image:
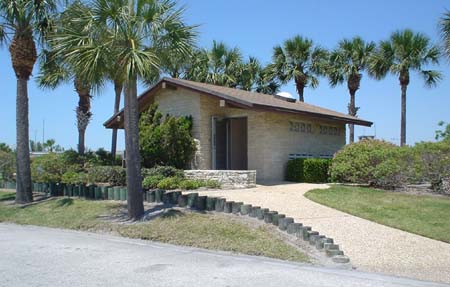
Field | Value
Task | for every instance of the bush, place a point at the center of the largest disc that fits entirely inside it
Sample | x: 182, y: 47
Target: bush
x: 7, y: 165
x: 165, y: 140
x: 152, y: 181
x: 113, y: 175
x: 72, y: 177
x: 164, y: 171
x: 295, y: 170
x: 388, y: 166
x: 356, y: 162
x: 314, y: 170
x: 48, y: 168
x: 99, y: 157
x: 169, y: 183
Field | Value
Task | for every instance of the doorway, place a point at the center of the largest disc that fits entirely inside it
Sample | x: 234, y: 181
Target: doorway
x: 229, y: 143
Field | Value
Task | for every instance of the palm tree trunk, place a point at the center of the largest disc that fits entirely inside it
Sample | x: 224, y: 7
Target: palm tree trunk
x: 24, y: 193
x: 83, y: 111
x: 403, y: 117
x: 118, y: 90
x: 83, y: 119
x: 352, y: 112
x: 300, y: 90
x: 133, y: 158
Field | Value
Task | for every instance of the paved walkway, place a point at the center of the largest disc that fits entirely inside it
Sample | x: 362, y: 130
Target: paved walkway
x: 370, y: 246
x: 39, y: 256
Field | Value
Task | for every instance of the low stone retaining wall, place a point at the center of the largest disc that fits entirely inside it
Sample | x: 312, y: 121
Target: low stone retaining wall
x: 226, y: 178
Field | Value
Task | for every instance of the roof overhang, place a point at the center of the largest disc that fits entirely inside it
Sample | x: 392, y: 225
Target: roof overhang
x: 144, y: 100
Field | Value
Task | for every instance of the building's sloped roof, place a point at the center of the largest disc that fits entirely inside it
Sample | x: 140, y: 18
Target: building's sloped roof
x: 251, y: 100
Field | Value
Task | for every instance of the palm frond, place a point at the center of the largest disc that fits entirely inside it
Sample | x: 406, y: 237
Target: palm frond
x: 431, y: 78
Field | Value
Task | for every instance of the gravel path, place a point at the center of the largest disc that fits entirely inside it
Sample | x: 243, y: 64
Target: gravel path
x: 370, y: 246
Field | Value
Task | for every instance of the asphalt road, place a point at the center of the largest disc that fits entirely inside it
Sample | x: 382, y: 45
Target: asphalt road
x: 36, y: 256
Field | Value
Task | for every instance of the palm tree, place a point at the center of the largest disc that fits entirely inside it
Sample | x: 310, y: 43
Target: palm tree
x: 404, y: 52
x: 54, y: 72
x: 129, y: 31
x: 444, y: 27
x: 24, y: 20
x: 252, y: 76
x: 219, y: 65
x: 347, y: 63
x: 299, y: 60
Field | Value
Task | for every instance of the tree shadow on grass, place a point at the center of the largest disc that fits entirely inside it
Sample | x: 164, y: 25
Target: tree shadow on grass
x: 8, y: 197
x: 64, y: 202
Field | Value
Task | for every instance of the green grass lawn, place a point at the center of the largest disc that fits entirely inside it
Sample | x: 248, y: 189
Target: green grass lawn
x: 180, y: 227
x: 421, y: 214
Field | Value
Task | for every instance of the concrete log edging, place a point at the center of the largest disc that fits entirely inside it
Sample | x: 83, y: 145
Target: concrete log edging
x: 220, y: 204
x: 286, y: 224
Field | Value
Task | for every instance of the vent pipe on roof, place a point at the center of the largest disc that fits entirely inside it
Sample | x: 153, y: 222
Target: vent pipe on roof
x: 285, y: 96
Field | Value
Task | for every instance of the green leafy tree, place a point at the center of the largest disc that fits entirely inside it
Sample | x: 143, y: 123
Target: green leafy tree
x: 165, y: 141
x: 5, y: 148
x: 22, y: 22
x: 443, y: 134
x: 405, y: 51
x: 49, y: 145
x: 346, y: 64
x: 298, y: 59
x: 130, y: 32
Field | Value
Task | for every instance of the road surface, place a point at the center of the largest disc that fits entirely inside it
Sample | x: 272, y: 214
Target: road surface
x: 37, y: 256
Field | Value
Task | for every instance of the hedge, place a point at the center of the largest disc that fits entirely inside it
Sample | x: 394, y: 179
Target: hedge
x: 312, y: 170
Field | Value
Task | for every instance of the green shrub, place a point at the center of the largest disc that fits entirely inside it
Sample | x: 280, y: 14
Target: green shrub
x: 295, y: 170
x: 315, y: 170
x: 312, y: 170
x: 152, y: 181
x: 72, y: 177
x: 48, y: 168
x: 356, y: 162
x: 169, y: 183
x: 164, y: 171
x: 99, y: 157
x: 212, y: 183
x: 189, y: 184
x: 7, y: 165
x: 113, y: 175
x: 388, y: 166
x: 165, y: 140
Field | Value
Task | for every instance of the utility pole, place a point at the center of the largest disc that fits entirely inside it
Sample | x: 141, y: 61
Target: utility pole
x: 43, y: 131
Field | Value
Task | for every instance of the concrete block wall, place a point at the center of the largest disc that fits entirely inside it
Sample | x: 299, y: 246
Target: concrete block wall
x: 270, y: 138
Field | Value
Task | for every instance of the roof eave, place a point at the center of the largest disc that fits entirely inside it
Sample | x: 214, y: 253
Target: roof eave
x: 346, y: 120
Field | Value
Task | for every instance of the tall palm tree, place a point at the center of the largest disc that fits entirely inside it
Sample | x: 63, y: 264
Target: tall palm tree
x: 24, y: 20
x: 347, y: 62
x: 404, y: 52
x: 252, y: 76
x: 444, y: 27
x: 300, y: 60
x: 129, y: 31
x: 218, y: 66
x: 54, y: 72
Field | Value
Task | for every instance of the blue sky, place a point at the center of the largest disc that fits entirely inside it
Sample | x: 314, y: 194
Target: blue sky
x: 255, y: 27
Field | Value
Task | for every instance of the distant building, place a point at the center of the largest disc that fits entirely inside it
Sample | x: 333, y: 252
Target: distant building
x: 366, y: 138
x: 240, y: 130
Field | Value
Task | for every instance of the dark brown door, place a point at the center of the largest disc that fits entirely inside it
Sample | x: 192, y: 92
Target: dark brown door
x: 237, y: 144
x: 221, y: 144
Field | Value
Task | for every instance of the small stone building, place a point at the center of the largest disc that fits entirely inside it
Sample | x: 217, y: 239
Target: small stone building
x: 241, y: 130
